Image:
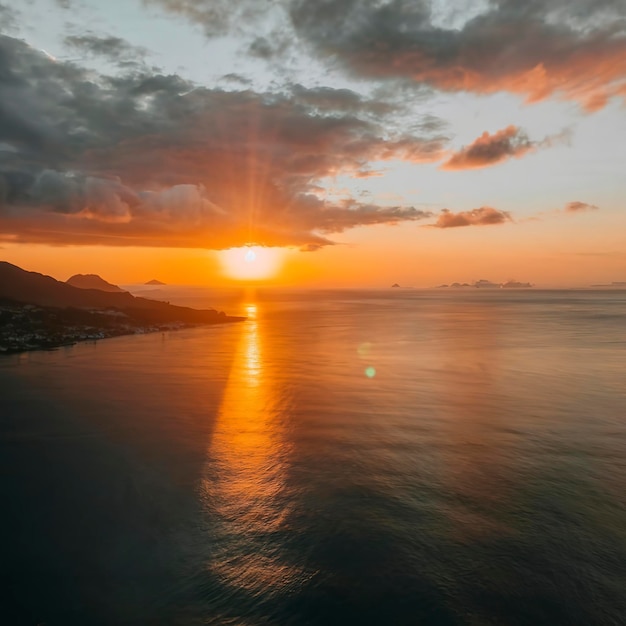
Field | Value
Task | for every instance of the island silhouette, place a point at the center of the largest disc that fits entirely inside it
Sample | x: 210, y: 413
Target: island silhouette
x: 92, y: 281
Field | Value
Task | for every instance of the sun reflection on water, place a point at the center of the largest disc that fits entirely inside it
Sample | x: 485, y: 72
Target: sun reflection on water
x: 250, y: 349
x: 245, y: 472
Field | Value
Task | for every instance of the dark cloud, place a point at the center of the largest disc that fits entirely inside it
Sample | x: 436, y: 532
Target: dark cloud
x: 491, y: 149
x: 268, y: 48
x: 149, y: 159
x: 579, y: 207
x: 485, y: 216
x: 236, y: 79
x: 431, y: 124
x: 114, y: 49
x: 328, y: 99
x: 573, y: 49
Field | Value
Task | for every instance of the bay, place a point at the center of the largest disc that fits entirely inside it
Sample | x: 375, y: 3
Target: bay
x: 342, y: 457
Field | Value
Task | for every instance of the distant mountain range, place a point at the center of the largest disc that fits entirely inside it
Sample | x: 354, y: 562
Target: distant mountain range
x: 154, y: 281
x: 92, y: 281
x: 18, y: 285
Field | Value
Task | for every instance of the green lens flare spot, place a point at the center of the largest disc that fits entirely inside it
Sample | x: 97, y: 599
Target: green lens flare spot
x: 370, y: 372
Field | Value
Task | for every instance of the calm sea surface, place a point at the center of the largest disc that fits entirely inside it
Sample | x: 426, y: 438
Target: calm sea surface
x: 342, y: 457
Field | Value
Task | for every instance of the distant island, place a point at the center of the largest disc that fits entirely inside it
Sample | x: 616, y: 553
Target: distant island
x: 619, y: 284
x: 487, y: 284
x: 154, y: 281
x: 92, y: 281
x: 39, y: 312
x: 513, y: 284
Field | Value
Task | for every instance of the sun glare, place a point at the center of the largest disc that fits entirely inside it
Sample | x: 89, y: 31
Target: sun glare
x: 251, y: 262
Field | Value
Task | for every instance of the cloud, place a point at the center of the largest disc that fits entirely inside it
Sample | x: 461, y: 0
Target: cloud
x: 579, y: 207
x: 272, y: 47
x: 329, y: 99
x: 148, y: 159
x: 574, y: 50
x: 8, y: 18
x: 238, y: 79
x: 490, y: 149
x: 571, y: 49
x: 217, y: 17
x: 485, y: 216
x: 114, y: 49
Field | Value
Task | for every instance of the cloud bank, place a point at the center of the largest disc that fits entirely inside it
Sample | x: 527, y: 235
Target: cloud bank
x: 568, y: 49
x: 149, y: 159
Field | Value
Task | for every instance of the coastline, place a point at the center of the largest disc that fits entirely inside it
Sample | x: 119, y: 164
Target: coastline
x: 28, y: 327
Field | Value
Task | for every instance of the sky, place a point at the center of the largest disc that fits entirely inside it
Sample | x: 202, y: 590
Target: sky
x: 345, y: 142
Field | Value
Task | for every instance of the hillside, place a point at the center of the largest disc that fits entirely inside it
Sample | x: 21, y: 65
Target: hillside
x: 92, y: 281
x: 19, y: 285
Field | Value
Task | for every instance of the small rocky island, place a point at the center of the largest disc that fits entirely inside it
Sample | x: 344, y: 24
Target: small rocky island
x: 39, y: 312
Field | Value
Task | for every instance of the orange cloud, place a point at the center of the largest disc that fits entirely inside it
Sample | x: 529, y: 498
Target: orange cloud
x: 575, y: 49
x: 579, y: 207
x: 183, y: 165
x: 534, y: 49
x: 484, y: 216
x: 490, y: 149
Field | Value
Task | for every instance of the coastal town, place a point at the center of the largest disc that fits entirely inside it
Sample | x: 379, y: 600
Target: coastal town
x: 26, y: 327
x: 38, y: 312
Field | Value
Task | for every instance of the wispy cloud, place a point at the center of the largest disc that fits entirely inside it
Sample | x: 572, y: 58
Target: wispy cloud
x: 8, y: 18
x: 114, y: 49
x: 579, y: 207
x: 484, y: 216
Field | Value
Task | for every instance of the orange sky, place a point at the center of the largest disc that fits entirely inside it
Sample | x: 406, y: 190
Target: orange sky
x: 467, y: 141
x: 554, y: 251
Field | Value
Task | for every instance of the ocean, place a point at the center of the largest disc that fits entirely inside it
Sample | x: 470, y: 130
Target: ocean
x: 342, y: 457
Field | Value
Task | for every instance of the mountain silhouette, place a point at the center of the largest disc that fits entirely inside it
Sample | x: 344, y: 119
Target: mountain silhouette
x: 19, y: 285
x: 92, y: 281
x: 154, y: 281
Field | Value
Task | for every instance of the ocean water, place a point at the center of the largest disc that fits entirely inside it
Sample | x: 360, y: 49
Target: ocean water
x: 342, y: 457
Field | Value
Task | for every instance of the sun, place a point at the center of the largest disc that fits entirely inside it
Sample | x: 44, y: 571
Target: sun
x: 251, y: 262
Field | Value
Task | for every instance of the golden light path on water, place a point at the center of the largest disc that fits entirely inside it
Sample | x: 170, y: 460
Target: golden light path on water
x: 244, y: 478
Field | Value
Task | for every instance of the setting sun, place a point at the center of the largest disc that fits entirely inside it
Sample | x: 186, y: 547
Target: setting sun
x: 251, y: 262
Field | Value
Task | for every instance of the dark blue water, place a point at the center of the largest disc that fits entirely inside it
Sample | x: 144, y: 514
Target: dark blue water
x: 391, y: 457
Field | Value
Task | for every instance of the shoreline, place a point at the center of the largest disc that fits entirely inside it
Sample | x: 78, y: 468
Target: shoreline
x: 29, y: 328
